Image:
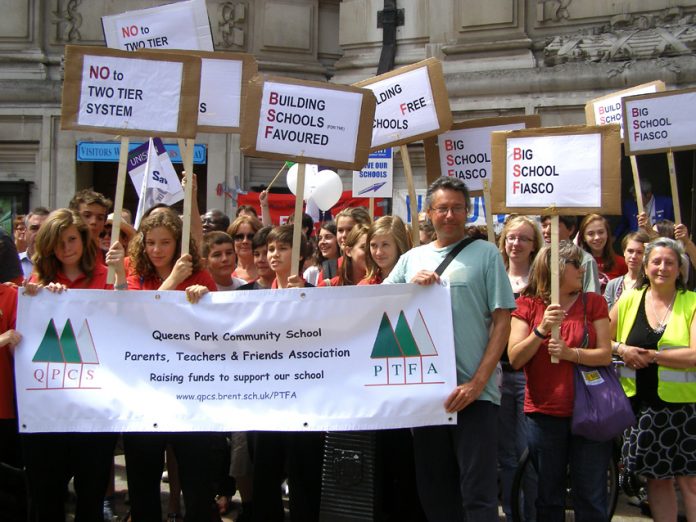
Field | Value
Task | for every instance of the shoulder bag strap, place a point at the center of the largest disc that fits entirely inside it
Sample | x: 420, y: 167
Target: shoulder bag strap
x: 453, y: 253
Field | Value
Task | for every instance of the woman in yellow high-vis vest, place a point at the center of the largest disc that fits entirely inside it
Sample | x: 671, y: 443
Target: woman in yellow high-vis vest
x: 655, y: 334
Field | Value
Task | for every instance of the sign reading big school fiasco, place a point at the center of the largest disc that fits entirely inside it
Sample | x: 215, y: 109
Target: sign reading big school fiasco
x: 261, y: 360
x: 412, y: 103
x: 660, y: 122
x: 308, y: 122
x: 113, y: 92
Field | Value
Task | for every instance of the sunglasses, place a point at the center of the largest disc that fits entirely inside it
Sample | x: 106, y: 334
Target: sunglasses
x: 575, y: 262
x: 242, y: 237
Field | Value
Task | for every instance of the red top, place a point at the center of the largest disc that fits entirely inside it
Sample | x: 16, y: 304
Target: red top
x: 202, y: 277
x: 617, y: 270
x: 8, y: 317
x: 550, y: 387
x: 374, y: 280
x: 97, y: 282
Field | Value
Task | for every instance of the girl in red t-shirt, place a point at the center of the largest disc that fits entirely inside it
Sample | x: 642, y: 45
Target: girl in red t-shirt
x: 352, y: 268
x: 584, y: 339
x: 595, y: 237
x: 387, y: 239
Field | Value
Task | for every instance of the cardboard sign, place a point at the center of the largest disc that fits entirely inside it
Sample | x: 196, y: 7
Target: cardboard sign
x: 660, y: 122
x: 560, y: 170
x: 464, y: 152
x: 224, y: 81
x: 412, y: 104
x: 608, y: 109
x: 307, y: 122
x: 181, y: 25
x: 376, y: 179
x: 116, y: 92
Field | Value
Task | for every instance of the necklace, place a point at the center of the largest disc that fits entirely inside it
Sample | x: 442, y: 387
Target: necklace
x: 661, y: 325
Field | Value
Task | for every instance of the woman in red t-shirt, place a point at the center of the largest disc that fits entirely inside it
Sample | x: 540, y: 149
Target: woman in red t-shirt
x: 66, y: 257
x: 157, y: 264
x: 584, y: 339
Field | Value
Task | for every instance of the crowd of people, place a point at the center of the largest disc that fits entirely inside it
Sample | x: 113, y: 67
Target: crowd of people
x: 515, y: 383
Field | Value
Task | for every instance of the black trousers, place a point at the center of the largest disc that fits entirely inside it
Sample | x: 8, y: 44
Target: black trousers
x: 145, y: 463
x: 51, y: 459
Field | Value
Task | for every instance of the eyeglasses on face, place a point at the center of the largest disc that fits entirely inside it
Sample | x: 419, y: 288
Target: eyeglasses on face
x: 456, y: 210
x: 521, y: 239
x: 242, y: 237
x: 575, y: 262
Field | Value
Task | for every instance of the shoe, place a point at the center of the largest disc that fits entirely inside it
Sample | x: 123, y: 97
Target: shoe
x: 108, y: 510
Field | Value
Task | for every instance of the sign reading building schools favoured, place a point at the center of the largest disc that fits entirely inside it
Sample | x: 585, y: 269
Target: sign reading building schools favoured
x: 556, y: 168
x: 179, y: 25
x: 412, y: 103
x: 464, y: 152
x: 608, y: 109
x: 660, y: 122
x: 308, y: 122
x: 236, y: 361
x: 123, y: 93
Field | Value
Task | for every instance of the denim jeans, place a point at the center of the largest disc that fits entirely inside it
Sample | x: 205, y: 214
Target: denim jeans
x: 553, y: 449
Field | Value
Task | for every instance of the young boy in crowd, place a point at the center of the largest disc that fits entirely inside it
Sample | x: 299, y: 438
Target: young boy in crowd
x: 263, y: 269
x: 279, y: 254
x: 217, y: 252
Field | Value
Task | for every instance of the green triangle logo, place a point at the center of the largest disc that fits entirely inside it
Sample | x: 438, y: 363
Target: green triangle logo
x: 385, y: 343
x: 49, y: 349
x: 405, y: 337
x: 69, y: 344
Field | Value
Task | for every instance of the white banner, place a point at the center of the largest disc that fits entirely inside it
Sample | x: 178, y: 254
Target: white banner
x: 354, y: 358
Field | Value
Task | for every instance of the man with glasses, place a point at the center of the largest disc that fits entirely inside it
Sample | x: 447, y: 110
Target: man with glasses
x: 456, y: 466
x: 33, y: 221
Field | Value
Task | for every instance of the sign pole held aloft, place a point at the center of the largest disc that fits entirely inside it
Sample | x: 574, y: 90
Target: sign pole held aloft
x: 118, y: 199
x: 186, y: 147
x: 413, y: 207
x: 673, y: 186
x: 297, y: 220
x: 555, y: 281
x: 636, y: 183
x: 489, y: 211
x: 371, y: 208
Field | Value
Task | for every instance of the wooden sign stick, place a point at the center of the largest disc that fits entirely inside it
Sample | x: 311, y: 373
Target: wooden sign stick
x: 406, y: 159
x: 673, y: 186
x: 489, y: 214
x: 371, y: 208
x: 297, y: 220
x: 276, y: 176
x: 555, y: 280
x: 186, y: 147
x: 118, y: 200
x: 636, y: 183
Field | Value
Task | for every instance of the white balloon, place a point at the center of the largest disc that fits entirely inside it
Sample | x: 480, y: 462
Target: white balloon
x: 311, y: 172
x: 328, y: 189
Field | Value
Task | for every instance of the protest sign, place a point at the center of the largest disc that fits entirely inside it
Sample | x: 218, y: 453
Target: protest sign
x: 660, y: 122
x: 180, y: 25
x: 307, y: 122
x: 153, y: 176
x: 375, y: 180
x: 116, y: 92
x: 261, y: 360
x: 412, y: 104
x: 559, y: 170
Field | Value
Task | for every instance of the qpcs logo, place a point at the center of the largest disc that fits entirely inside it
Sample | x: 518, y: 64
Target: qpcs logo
x: 405, y: 354
x: 67, y: 361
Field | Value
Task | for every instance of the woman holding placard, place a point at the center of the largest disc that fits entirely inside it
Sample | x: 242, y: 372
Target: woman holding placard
x: 242, y: 231
x: 655, y: 335
x: 633, y: 248
x: 65, y: 257
x: 594, y: 236
x: 520, y: 241
x: 584, y: 339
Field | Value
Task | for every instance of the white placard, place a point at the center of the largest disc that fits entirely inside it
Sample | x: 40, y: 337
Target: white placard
x: 180, y: 25
x: 560, y: 171
x: 376, y: 179
x: 125, y: 93
x: 405, y: 107
x: 608, y: 109
x: 221, y: 92
x: 466, y: 153
x: 661, y: 123
x: 308, y: 121
x: 236, y: 361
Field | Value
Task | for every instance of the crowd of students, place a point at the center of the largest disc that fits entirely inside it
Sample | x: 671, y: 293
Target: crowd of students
x: 70, y: 248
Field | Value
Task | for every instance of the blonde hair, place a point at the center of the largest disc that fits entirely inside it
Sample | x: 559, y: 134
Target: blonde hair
x: 540, y: 272
x: 387, y: 225
x: 514, y: 222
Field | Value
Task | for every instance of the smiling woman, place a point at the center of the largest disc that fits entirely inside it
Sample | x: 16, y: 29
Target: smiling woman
x: 595, y: 237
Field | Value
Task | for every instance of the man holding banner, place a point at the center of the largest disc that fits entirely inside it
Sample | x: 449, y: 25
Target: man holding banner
x: 456, y: 465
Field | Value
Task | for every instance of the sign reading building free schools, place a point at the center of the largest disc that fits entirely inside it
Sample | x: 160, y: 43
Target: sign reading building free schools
x: 608, y: 109
x: 117, y: 92
x: 412, y: 104
x: 567, y: 170
x: 307, y: 122
x: 660, y: 122
x: 236, y: 361
x: 179, y: 25
x: 464, y: 152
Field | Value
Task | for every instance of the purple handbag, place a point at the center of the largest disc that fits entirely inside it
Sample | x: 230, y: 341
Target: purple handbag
x: 601, y: 410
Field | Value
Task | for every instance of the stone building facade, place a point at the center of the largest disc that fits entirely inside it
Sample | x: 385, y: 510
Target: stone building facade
x: 500, y: 57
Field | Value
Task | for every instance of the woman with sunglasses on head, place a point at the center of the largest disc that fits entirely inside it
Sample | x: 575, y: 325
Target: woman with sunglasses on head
x: 242, y: 231
x: 655, y: 333
x: 584, y: 339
